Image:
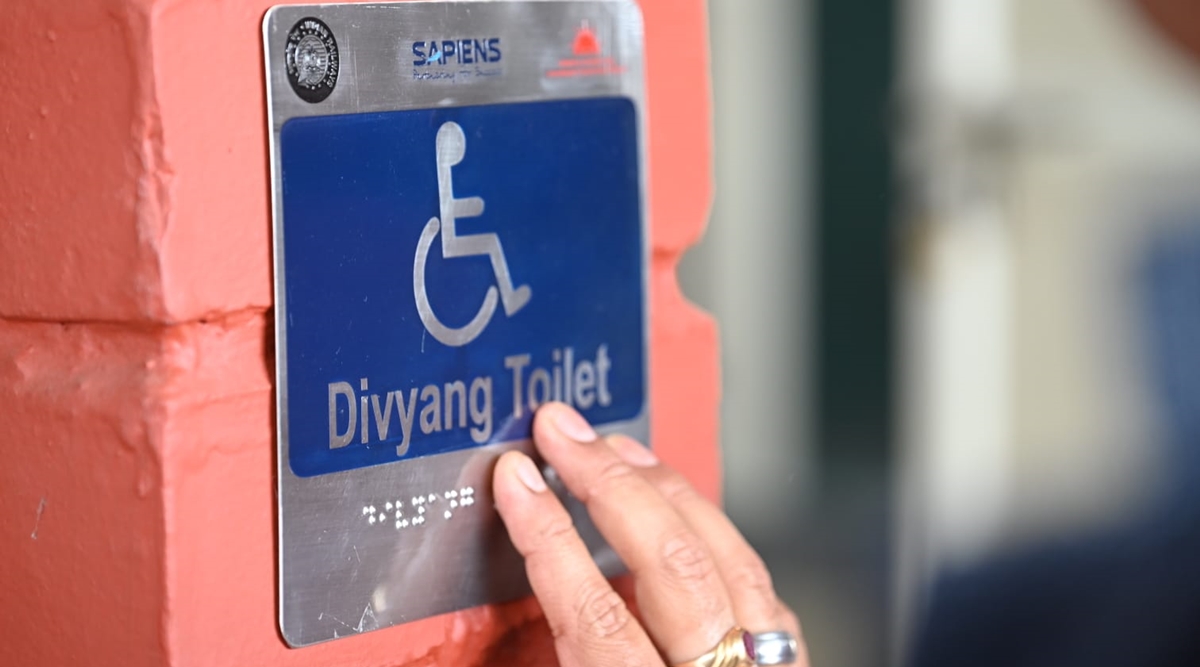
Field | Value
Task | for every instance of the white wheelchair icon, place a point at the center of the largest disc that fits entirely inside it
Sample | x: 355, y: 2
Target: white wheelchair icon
x: 451, y: 148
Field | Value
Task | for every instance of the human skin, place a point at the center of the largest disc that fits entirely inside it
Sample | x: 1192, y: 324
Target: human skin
x: 695, y: 575
x: 1178, y: 19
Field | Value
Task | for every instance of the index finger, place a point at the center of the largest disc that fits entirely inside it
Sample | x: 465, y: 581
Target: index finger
x: 756, y: 606
x: 592, y: 626
x: 680, y: 594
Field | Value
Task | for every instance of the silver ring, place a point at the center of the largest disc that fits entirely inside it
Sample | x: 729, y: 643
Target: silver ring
x: 774, y: 648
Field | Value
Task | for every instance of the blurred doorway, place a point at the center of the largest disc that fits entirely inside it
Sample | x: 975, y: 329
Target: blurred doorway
x: 1047, y: 147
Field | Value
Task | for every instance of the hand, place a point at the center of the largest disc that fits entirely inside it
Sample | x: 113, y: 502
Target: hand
x: 695, y: 575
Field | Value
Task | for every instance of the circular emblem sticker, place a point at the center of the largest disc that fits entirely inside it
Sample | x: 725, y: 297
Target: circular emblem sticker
x: 312, y: 60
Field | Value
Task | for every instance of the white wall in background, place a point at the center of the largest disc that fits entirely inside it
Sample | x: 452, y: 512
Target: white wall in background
x: 1042, y: 135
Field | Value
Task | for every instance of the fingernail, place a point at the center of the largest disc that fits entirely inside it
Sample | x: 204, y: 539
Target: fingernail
x: 633, y: 452
x: 573, y: 425
x: 529, y: 475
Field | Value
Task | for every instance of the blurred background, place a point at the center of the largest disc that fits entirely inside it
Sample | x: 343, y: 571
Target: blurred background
x: 955, y: 258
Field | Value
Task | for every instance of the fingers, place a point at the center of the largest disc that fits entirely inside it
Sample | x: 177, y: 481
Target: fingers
x: 591, y: 624
x: 755, y: 604
x: 679, y: 588
x: 695, y: 574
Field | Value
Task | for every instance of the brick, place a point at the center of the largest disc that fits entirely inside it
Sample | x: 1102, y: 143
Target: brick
x: 81, y: 498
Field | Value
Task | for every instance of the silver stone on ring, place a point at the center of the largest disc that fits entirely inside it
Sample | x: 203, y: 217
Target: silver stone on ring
x: 774, y: 648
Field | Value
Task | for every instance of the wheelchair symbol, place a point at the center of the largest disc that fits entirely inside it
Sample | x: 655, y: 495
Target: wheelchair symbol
x: 451, y: 148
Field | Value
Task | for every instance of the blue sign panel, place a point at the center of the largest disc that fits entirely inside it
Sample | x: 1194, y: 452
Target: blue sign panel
x: 446, y: 271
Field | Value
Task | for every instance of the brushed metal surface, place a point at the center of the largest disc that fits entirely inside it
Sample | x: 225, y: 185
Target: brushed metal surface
x: 344, y: 568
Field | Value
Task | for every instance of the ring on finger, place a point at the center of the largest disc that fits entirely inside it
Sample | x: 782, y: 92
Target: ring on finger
x: 739, y: 648
x: 774, y: 648
x: 736, y: 649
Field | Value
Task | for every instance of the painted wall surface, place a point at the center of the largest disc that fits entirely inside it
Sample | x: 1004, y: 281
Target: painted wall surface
x: 136, y: 381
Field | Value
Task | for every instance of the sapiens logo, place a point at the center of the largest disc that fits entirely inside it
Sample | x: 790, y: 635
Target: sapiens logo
x: 457, y: 60
x: 454, y: 52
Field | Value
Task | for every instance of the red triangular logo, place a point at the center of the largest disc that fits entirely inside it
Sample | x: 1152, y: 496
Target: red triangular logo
x: 586, y: 43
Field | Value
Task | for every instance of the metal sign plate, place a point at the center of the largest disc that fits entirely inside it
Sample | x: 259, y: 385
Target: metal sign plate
x: 460, y: 236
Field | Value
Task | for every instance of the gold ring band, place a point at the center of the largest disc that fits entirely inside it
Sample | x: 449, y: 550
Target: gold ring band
x: 736, y: 649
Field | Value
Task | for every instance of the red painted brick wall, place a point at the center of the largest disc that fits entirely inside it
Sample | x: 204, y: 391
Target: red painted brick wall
x: 136, y: 388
